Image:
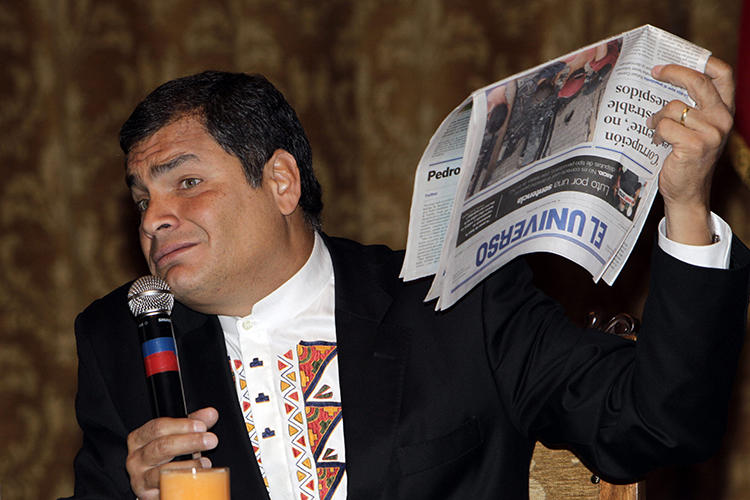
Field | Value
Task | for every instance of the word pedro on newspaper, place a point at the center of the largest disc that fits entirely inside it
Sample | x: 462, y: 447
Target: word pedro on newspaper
x: 555, y: 159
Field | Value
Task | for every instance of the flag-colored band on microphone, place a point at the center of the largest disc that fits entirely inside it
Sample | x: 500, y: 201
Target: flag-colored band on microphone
x: 159, y: 355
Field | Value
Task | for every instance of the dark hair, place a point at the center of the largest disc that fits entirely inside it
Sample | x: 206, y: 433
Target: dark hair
x: 245, y: 114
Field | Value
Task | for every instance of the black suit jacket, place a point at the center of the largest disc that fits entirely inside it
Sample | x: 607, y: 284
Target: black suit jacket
x: 448, y: 405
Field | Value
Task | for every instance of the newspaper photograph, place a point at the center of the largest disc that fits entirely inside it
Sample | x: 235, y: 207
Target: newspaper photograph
x: 555, y: 159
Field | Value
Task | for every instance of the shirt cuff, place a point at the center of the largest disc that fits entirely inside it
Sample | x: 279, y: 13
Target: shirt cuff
x: 715, y: 255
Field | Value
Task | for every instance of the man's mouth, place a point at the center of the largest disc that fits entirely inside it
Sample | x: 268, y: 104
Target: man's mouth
x: 165, y: 253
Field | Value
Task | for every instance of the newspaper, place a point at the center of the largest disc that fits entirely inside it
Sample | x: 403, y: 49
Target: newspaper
x: 554, y: 159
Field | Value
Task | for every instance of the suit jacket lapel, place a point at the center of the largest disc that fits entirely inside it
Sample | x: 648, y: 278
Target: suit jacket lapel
x: 371, y: 369
x: 207, y: 381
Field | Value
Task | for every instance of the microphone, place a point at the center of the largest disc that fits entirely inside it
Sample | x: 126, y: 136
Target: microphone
x: 151, y: 301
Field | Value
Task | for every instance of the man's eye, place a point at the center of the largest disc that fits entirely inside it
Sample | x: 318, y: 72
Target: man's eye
x: 190, y: 182
x: 141, y: 205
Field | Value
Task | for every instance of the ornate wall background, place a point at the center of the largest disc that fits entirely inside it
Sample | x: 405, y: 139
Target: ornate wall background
x: 370, y: 80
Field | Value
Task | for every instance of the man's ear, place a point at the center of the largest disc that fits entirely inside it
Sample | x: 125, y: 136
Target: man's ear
x: 283, y: 177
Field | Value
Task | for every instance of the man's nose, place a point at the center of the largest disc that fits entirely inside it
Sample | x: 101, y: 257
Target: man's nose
x: 160, y: 216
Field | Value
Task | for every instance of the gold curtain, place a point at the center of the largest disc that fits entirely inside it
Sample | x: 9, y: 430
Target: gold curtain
x: 371, y: 80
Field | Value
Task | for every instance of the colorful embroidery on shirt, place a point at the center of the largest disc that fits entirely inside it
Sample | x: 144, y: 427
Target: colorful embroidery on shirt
x: 290, y: 391
x: 321, y: 412
x: 238, y: 374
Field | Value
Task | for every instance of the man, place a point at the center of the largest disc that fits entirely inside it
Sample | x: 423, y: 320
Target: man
x: 312, y: 371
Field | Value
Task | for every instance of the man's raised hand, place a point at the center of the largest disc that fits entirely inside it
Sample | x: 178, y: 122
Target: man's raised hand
x: 697, y: 135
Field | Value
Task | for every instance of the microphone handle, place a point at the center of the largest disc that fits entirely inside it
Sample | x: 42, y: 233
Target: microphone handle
x: 162, y: 368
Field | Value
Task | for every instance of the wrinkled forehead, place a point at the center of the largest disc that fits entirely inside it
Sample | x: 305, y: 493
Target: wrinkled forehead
x: 134, y: 177
x: 165, y: 149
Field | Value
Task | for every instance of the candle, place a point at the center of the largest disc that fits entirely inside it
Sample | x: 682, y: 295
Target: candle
x: 194, y: 484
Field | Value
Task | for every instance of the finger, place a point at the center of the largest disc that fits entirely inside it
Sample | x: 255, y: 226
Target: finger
x: 140, y: 462
x: 159, y: 427
x: 164, y: 449
x: 722, y: 75
x: 713, y: 123
x: 682, y: 139
x: 699, y: 86
x: 682, y: 114
x: 696, y: 135
x: 145, y: 478
x: 209, y: 416
x: 152, y: 494
x: 668, y: 112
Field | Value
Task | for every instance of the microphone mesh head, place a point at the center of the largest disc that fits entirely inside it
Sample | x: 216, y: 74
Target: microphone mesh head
x: 150, y: 294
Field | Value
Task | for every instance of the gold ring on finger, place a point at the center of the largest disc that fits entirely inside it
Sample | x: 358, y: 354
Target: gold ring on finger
x: 684, y: 115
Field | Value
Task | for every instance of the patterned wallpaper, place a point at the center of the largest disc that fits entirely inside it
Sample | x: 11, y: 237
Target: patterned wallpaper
x: 371, y: 80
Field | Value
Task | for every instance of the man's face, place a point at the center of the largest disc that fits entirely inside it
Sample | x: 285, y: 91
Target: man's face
x: 203, y: 227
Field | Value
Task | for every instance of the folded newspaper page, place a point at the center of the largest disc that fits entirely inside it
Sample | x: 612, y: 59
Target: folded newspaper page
x: 555, y: 159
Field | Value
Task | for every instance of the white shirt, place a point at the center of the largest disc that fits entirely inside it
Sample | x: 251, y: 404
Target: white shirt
x: 716, y: 255
x: 284, y: 362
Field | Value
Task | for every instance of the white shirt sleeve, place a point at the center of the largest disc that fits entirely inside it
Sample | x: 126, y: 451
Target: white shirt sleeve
x: 715, y: 255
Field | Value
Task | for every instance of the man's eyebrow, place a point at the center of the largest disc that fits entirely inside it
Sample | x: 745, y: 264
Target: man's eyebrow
x: 134, y: 180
